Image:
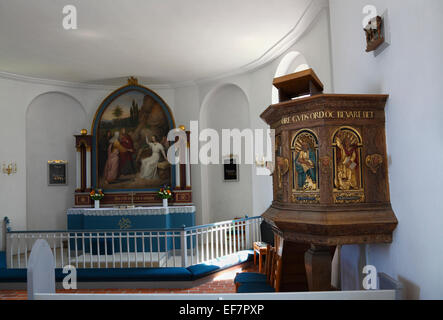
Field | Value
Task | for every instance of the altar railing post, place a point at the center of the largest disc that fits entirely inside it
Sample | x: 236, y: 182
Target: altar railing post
x: 9, y: 257
x: 183, y: 248
x: 248, y: 243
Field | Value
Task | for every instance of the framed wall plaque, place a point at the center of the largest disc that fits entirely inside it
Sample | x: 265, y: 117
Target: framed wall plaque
x: 57, y: 173
x: 230, y: 169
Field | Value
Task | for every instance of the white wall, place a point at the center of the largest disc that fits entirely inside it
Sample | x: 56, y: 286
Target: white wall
x: 52, y: 119
x: 411, y: 71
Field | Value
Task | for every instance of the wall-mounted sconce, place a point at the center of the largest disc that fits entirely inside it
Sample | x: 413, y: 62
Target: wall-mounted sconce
x: 260, y: 161
x: 264, y: 167
x: 9, y: 169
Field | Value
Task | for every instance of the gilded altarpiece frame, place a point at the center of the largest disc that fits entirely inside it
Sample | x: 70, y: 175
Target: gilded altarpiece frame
x: 305, y: 167
x: 347, y: 166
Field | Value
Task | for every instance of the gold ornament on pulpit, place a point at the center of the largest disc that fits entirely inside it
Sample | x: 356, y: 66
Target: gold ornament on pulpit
x: 373, y: 162
x: 282, y: 170
x: 325, y: 163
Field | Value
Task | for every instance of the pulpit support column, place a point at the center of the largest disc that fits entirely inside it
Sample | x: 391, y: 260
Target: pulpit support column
x: 318, y: 264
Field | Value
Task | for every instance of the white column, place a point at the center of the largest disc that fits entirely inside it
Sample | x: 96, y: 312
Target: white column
x: 177, y: 169
x: 88, y: 169
x: 188, y: 168
x: 78, y: 173
x: 177, y: 175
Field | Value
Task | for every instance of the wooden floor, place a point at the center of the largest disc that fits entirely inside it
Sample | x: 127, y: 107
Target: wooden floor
x: 222, y: 283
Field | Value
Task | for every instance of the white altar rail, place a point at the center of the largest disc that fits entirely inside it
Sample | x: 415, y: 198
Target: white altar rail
x: 137, y: 248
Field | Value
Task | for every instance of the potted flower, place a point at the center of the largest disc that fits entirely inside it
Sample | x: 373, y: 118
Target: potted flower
x: 165, y: 194
x: 97, y: 195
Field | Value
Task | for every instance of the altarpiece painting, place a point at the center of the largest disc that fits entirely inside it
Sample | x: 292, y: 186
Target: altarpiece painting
x: 130, y: 135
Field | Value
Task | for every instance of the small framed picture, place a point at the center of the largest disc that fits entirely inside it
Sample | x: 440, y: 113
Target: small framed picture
x: 230, y: 169
x: 57, y: 173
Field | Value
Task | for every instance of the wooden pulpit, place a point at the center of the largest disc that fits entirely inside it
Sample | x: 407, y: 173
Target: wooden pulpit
x: 330, y: 181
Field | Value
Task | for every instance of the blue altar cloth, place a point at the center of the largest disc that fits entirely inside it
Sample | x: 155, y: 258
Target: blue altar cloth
x: 125, y: 220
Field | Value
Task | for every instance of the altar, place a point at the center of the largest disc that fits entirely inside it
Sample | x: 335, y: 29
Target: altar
x: 138, y: 218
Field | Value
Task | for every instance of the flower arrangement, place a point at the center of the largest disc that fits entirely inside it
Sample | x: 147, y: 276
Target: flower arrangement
x: 165, y: 193
x: 97, y: 195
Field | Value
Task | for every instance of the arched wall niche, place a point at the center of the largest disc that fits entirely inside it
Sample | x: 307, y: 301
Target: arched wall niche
x: 292, y: 62
x: 225, y: 107
x: 52, y: 118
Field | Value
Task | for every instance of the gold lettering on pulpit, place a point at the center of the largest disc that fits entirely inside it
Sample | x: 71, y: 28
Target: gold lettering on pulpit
x: 331, y: 115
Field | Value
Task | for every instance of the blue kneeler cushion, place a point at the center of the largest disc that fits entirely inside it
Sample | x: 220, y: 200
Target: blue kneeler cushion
x: 250, y: 277
x: 201, y: 270
x: 205, y: 269
x: 255, y: 288
x: 13, y: 275
x: 130, y: 274
x: 2, y: 260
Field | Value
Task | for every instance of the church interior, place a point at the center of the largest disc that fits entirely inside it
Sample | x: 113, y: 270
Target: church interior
x: 221, y: 147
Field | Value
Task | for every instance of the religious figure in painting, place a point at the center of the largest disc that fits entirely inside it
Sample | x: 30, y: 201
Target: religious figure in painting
x: 103, y: 145
x: 149, y: 165
x: 347, y: 160
x: 127, y: 165
x: 305, y: 162
x: 112, y: 162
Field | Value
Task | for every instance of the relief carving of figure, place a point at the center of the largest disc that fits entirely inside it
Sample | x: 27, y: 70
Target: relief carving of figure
x: 347, y: 175
x: 305, y: 162
x: 305, y: 165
